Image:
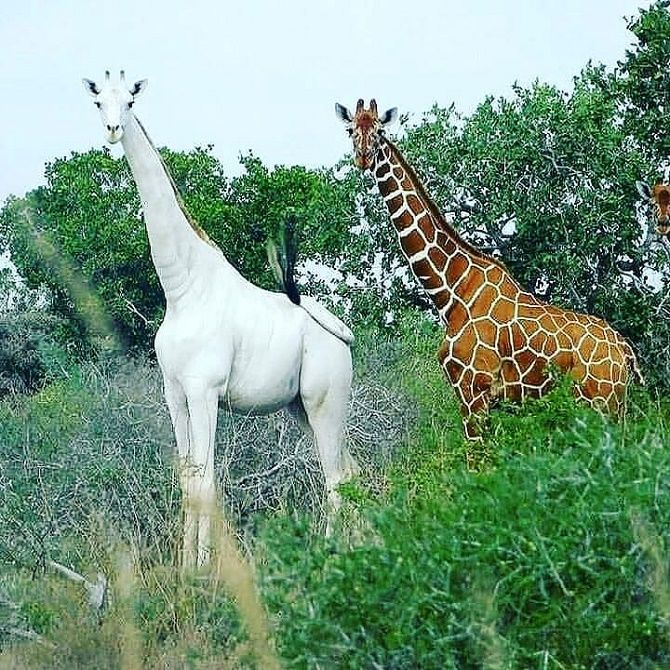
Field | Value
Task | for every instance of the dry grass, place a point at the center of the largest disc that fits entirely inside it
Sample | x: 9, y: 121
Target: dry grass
x: 98, y: 492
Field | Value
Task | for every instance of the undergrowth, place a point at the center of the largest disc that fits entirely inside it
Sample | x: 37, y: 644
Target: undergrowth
x: 551, y: 552
x: 555, y: 556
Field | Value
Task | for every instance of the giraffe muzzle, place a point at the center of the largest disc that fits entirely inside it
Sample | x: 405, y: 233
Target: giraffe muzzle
x: 363, y: 161
x: 114, y: 134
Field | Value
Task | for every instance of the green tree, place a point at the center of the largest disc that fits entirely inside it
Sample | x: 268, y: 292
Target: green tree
x: 260, y: 200
x: 545, y: 180
x: 90, y: 211
x: 643, y: 82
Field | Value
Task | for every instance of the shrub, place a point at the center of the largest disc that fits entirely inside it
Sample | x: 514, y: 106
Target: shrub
x: 555, y: 553
x: 27, y: 351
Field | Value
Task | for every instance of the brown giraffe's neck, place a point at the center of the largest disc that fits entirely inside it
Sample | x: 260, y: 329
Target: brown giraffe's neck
x: 439, y: 258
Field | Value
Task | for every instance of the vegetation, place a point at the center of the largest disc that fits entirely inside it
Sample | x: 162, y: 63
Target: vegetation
x: 546, y: 546
x: 552, y: 558
x: 553, y: 552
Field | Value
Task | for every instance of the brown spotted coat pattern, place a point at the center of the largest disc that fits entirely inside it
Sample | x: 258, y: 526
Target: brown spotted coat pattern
x: 500, y: 340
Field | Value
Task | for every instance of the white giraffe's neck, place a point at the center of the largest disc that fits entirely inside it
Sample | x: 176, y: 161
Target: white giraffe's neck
x: 176, y: 245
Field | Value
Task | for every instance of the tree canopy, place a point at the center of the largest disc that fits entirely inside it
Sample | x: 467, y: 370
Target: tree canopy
x: 543, y: 179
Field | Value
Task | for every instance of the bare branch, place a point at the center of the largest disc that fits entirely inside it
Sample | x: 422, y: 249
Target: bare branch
x: 132, y: 308
x: 97, y: 593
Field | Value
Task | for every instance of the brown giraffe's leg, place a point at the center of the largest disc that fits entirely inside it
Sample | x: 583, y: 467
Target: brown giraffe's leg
x: 474, y: 390
x: 624, y: 371
x: 474, y: 396
x: 605, y: 389
x: 474, y: 415
x: 623, y: 375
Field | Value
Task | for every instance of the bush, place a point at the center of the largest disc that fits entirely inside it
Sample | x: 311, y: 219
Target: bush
x: 554, y: 554
x: 27, y: 351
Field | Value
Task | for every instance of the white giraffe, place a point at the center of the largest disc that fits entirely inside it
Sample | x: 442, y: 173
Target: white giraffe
x: 222, y: 336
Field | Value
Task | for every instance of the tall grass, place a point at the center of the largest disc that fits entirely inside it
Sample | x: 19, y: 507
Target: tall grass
x: 550, y: 553
x: 553, y: 555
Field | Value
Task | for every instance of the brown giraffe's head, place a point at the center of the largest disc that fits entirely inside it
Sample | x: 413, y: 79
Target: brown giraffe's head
x: 365, y: 128
x: 659, y: 197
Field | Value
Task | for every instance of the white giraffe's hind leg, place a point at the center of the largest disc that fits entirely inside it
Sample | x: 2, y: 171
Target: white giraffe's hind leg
x: 325, y: 386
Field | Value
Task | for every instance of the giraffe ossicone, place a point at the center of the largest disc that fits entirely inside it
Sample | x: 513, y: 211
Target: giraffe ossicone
x: 500, y: 341
x: 224, y: 337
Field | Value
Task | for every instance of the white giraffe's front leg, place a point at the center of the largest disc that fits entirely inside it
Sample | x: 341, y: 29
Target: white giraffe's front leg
x: 200, y: 489
x: 178, y: 408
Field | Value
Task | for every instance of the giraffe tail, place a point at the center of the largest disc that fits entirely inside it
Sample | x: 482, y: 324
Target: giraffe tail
x: 631, y: 359
x: 282, y: 260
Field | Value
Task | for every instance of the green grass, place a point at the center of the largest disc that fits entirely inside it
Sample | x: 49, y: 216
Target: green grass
x: 551, y: 553
x: 535, y: 560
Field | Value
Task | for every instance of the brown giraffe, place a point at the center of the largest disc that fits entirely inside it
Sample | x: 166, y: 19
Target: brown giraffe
x: 500, y: 340
x: 659, y: 197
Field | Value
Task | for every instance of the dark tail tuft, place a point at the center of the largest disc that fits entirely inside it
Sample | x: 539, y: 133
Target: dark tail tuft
x: 282, y: 260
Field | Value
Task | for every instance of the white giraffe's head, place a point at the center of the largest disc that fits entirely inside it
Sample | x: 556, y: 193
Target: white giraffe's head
x: 114, y: 102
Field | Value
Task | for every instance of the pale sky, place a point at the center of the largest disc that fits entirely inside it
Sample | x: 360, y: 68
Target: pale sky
x: 264, y: 76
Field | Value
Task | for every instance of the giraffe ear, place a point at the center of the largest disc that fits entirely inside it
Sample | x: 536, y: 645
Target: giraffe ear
x: 389, y: 116
x: 643, y: 189
x: 91, y: 87
x: 342, y: 113
x: 138, y: 87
